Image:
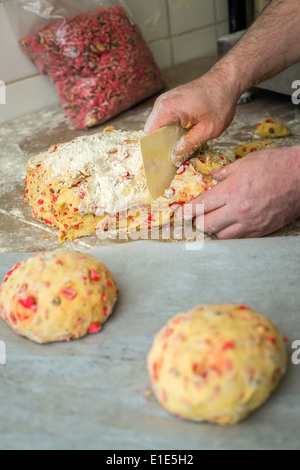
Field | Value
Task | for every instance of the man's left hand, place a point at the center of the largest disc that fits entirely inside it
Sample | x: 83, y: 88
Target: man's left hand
x: 255, y: 195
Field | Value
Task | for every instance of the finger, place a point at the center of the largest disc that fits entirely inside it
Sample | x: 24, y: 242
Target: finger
x: 192, y: 141
x: 234, y: 231
x: 223, y: 173
x: 215, y: 221
x: 160, y: 118
x: 211, y: 200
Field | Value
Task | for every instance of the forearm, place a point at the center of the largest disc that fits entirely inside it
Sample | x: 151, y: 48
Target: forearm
x: 207, y: 105
x: 270, y: 46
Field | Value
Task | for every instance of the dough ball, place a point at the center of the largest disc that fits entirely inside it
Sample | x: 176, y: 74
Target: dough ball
x: 57, y: 296
x: 216, y: 363
x: 270, y: 129
x: 244, y: 149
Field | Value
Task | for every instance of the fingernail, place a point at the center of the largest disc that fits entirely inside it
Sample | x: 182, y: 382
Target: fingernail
x: 146, y: 130
x: 187, y: 212
x: 178, y: 160
x: 179, y: 156
x: 174, y: 207
x: 199, y: 225
x: 179, y: 146
x: 217, y: 174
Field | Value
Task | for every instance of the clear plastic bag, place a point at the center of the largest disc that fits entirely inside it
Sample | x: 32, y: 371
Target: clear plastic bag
x: 94, y: 54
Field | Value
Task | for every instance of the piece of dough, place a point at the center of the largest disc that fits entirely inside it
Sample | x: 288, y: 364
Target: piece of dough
x: 216, y: 363
x: 244, y: 149
x: 79, y: 187
x: 57, y: 296
x: 269, y: 129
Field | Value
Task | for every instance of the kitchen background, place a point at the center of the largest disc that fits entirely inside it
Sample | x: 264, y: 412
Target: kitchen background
x: 176, y: 31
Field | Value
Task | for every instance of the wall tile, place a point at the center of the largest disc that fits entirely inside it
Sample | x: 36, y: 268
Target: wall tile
x: 193, y: 45
x: 223, y: 29
x: 259, y: 5
x: 151, y: 17
x: 26, y: 96
x: 14, y: 65
x: 222, y: 10
x: 186, y: 15
x: 162, y: 52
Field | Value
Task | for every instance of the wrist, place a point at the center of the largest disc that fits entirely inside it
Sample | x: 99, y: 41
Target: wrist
x: 289, y: 168
x: 228, y: 75
x: 293, y: 154
x: 293, y: 163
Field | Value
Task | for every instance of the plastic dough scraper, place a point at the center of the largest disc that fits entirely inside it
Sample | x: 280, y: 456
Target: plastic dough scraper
x: 156, y: 149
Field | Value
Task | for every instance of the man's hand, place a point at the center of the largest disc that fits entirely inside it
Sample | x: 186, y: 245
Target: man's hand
x: 256, y: 195
x: 205, y: 106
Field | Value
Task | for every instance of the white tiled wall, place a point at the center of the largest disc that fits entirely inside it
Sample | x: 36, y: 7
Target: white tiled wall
x: 189, y: 15
x: 151, y: 16
x: 222, y: 10
x: 199, y: 43
x: 14, y: 65
x: 259, y: 5
x: 176, y: 31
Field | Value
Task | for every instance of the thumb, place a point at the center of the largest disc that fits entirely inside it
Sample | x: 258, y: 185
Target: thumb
x: 190, y: 142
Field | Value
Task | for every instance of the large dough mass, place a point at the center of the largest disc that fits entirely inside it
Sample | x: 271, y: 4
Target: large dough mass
x: 97, y: 182
x: 84, y: 185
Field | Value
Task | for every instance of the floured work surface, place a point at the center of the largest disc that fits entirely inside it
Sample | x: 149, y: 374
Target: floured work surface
x: 27, y: 136
x: 92, y: 393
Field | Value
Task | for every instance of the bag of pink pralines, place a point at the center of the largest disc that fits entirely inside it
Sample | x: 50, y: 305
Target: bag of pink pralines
x: 96, y: 56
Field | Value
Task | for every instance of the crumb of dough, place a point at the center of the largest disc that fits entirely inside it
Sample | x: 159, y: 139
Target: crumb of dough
x: 244, y: 149
x: 270, y: 129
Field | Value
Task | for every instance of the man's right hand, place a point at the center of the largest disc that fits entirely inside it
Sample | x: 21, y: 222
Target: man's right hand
x: 206, y: 107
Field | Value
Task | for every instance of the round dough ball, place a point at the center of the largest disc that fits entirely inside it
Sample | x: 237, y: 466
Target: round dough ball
x: 57, y: 296
x: 216, y: 363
